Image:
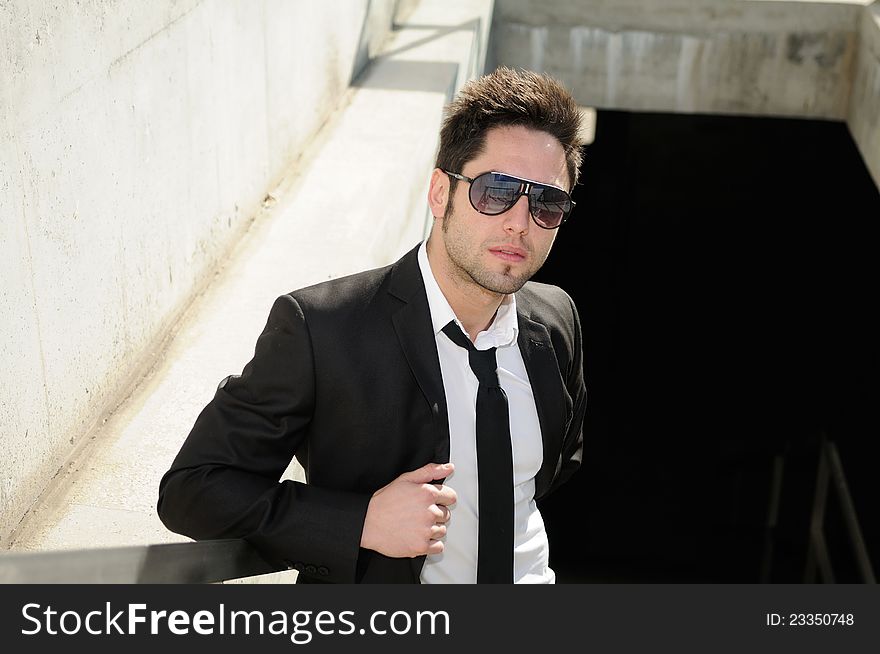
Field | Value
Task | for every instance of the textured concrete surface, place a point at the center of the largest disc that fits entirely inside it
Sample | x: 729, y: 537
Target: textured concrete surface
x: 354, y: 200
x: 710, y: 56
x: 864, y: 115
x: 137, y: 141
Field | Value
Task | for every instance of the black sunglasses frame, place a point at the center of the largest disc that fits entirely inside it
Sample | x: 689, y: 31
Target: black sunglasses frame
x: 526, y: 186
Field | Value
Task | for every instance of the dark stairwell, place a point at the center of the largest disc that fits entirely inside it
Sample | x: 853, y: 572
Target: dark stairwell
x: 725, y: 273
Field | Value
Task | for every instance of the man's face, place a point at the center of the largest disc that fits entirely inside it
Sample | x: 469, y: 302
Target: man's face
x: 501, y: 253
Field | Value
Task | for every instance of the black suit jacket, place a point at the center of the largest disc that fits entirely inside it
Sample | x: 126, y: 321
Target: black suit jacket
x: 346, y: 377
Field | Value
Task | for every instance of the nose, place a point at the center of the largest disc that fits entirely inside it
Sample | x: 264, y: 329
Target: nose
x: 517, y: 219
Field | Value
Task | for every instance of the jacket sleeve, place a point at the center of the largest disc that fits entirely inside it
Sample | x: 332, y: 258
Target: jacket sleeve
x: 224, y: 482
x: 573, y: 442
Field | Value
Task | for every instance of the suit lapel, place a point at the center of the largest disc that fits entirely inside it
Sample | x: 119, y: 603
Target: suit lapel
x: 412, y: 324
x: 547, y: 388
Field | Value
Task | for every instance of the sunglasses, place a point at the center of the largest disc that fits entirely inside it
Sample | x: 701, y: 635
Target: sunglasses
x: 494, y: 193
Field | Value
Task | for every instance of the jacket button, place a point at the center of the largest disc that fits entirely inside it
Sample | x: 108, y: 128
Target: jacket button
x: 225, y: 381
x: 298, y: 566
x: 288, y: 563
x: 311, y: 569
x: 323, y: 571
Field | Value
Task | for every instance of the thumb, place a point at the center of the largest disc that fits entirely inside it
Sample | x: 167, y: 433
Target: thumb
x: 428, y: 473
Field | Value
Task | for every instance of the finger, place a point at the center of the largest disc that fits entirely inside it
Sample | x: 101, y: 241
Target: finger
x: 445, y: 496
x: 438, y: 532
x: 428, y: 473
x: 435, y: 547
x: 438, y: 513
x: 441, y: 513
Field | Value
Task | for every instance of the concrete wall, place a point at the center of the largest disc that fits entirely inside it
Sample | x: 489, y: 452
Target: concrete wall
x: 137, y: 141
x: 709, y: 56
x: 799, y: 58
x: 864, y: 111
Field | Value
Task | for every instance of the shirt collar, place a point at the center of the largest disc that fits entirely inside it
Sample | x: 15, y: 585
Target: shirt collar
x: 504, y: 329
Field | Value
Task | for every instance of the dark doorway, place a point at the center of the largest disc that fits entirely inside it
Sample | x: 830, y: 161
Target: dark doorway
x: 725, y: 272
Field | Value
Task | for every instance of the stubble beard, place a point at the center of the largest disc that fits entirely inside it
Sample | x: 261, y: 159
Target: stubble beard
x: 467, y: 265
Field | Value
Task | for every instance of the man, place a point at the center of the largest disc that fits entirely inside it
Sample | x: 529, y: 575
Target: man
x: 431, y: 402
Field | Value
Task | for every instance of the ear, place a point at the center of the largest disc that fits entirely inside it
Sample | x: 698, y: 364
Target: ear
x: 438, y: 193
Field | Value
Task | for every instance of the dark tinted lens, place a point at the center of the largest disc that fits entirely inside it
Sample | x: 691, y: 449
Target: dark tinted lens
x: 549, y: 205
x: 492, y: 193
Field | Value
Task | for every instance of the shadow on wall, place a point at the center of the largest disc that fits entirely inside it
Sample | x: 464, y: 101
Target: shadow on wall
x: 427, y: 76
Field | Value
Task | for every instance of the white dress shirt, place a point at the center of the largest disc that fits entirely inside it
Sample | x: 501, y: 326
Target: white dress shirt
x: 458, y: 562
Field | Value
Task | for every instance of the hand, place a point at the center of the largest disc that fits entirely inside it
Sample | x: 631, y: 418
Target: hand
x: 407, y: 517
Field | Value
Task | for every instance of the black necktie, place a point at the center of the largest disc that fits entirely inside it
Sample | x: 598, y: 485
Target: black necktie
x: 494, y: 465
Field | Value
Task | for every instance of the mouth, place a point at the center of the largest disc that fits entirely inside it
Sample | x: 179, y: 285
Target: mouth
x: 508, y: 253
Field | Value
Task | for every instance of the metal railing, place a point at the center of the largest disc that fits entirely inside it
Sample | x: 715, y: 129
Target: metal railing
x: 830, y: 477
x: 203, y: 562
